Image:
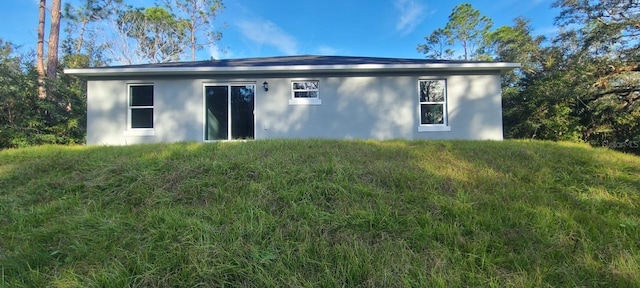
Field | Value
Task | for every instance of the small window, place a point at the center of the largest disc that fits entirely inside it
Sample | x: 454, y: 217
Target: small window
x: 141, y: 107
x: 433, y: 105
x: 305, y: 93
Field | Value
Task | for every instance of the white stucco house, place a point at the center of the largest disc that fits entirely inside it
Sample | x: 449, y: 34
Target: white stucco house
x: 294, y: 97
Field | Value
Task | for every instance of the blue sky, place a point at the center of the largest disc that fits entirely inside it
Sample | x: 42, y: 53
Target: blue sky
x: 255, y: 28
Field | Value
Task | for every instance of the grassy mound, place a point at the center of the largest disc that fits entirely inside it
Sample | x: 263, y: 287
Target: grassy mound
x: 320, y: 213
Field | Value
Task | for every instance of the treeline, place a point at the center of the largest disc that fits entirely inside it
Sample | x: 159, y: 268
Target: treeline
x: 27, y: 118
x: 582, y: 84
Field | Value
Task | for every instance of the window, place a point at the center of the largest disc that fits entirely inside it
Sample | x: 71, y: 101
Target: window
x: 140, y: 107
x: 433, y: 105
x: 229, y: 111
x: 305, y: 92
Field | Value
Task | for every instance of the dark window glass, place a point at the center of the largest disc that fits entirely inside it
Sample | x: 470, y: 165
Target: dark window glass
x: 432, y: 91
x: 217, y: 118
x: 142, y: 95
x: 432, y: 114
x: 312, y: 85
x: 242, y: 119
x: 305, y: 94
x: 142, y: 118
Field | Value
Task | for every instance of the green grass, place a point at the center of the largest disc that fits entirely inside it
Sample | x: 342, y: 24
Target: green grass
x: 320, y: 213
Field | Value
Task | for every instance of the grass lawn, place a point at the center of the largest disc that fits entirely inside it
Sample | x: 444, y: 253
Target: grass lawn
x: 320, y: 213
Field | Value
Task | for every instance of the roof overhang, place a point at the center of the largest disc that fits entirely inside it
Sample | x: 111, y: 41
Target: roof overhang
x: 288, y: 69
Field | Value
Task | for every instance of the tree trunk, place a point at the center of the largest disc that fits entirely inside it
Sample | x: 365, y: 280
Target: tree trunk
x: 81, y: 36
x: 54, y: 37
x: 193, y: 30
x: 193, y: 44
x: 40, y: 50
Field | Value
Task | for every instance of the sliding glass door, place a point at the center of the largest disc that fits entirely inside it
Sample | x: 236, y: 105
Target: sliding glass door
x: 229, y: 111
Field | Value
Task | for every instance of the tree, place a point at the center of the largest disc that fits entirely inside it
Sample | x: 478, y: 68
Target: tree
x: 517, y: 44
x: 52, y: 52
x: 468, y: 27
x: 101, y: 31
x: 40, y: 49
x: 537, y: 103
x: 29, y: 120
x: 605, y: 62
x: 525, y: 109
x: 152, y: 34
x: 437, y: 46
x: 85, y: 22
x: 54, y: 39
x: 81, y: 16
x: 199, y: 16
x: 583, y: 85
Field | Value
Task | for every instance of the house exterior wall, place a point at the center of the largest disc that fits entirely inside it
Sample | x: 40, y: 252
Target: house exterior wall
x: 354, y: 106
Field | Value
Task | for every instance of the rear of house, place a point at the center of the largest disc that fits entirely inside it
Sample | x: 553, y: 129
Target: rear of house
x: 294, y: 97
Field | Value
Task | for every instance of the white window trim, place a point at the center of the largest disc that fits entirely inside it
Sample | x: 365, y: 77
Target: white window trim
x: 139, y: 131
x: 304, y: 101
x: 435, y: 127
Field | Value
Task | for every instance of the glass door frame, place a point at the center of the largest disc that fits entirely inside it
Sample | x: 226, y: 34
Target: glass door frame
x: 229, y: 124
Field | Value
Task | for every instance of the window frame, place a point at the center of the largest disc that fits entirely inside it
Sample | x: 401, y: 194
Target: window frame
x: 445, y: 107
x: 229, y: 113
x: 145, y: 131
x: 305, y: 100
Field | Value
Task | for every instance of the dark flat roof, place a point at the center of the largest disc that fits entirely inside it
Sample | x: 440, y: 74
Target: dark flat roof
x: 289, y: 64
x: 306, y: 60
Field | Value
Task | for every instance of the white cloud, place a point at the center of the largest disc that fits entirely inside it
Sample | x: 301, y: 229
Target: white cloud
x: 411, y: 14
x: 265, y: 32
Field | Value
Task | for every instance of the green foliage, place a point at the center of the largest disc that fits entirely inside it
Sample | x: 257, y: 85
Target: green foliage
x: 26, y: 119
x: 158, y: 35
x: 582, y: 86
x: 198, y: 16
x: 437, y: 46
x: 281, y: 213
x: 81, y: 46
x: 517, y: 44
x: 113, y: 31
x: 466, y: 27
x: 605, y: 64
